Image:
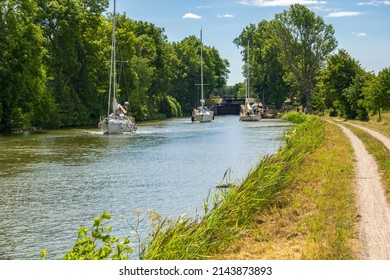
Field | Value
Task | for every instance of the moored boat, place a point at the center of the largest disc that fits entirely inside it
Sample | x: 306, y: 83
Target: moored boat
x: 202, y: 113
x: 249, y: 112
x: 117, y: 119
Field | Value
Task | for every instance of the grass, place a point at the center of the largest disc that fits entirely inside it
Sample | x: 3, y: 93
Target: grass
x: 297, y: 203
x: 379, y: 152
x: 315, y: 216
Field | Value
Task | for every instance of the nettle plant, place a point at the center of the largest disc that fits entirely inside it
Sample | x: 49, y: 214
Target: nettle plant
x: 98, y: 244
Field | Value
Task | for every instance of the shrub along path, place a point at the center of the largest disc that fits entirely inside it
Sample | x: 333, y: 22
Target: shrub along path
x: 373, y: 208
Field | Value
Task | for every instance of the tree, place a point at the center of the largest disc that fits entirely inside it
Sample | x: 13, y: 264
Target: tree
x: 53, y: 70
x: 23, y: 101
x: 377, y: 92
x: 266, y: 71
x: 186, y: 82
x: 353, y: 105
x: 74, y: 58
x: 384, y: 83
x: 304, y: 42
x: 340, y: 83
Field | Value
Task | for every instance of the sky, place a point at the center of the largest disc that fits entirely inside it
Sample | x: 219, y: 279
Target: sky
x: 362, y: 27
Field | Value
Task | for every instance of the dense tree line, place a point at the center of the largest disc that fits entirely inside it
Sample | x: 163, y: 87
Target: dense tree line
x: 23, y: 98
x: 54, y: 70
x: 346, y: 89
x: 293, y: 56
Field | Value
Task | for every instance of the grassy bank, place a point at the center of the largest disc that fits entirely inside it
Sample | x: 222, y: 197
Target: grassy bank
x: 297, y: 203
x: 315, y: 216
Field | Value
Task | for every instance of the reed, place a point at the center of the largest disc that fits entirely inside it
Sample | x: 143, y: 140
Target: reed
x: 229, y: 214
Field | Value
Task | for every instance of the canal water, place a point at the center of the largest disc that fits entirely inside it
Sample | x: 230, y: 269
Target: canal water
x: 53, y: 182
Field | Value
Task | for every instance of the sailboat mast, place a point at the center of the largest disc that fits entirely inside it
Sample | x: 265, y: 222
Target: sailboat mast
x: 114, y: 57
x: 112, y: 86
x: 201, y: 67
x: 248, y: 73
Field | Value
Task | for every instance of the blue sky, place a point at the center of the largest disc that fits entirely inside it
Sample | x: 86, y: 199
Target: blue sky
x: 362, y: 27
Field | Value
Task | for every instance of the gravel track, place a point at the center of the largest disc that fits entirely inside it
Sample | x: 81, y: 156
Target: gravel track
x: 373, y: 207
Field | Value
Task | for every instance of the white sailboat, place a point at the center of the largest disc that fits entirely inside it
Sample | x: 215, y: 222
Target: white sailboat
x: 202, y: 113
x: 117, y: 120
x: 249, y: 112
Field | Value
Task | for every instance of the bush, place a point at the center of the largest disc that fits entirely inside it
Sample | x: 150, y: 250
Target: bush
x: 295, y: 117
x: 100, y: 245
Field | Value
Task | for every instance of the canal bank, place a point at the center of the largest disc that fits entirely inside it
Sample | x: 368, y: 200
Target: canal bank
x: 289, y: 207
x: 315, y: 212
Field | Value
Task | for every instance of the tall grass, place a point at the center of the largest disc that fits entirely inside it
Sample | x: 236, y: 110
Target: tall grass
x: 229, y: 214
x: 315, y: 216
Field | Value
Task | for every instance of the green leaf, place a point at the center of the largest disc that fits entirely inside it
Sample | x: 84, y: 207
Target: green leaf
x: 106, y: 215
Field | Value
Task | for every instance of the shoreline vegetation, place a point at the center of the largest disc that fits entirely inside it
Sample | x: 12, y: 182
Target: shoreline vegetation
x: 299, y: 203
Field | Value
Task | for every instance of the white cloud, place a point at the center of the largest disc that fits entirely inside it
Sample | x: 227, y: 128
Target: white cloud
x: 279, y: 3
x: 344, y: 14
x: 374, y: 3
x: 359, y: 34
x: 226, y: 16
x: 204, y: 7
x: 320, y: 9
x: 191, y: 16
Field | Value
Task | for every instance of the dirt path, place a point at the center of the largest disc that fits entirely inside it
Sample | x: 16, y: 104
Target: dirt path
x: 373, y: 208
x: 377, y: 135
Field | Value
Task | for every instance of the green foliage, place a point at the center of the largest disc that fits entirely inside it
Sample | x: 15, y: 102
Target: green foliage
x: 22, y: 76
x: 295, y: 117
x: 99, y: 244
x: 229, y: 90
x: 53, y: 71
x: 340, y: 84
x: 185, y: 85
x: 266, y: 70
x: 377, y: 92
x: 286, y: 54
x: 318, y: 103
x: 304, y: 41
x: 170, y: 107
x: 353, y: 107
x: 72, y: 33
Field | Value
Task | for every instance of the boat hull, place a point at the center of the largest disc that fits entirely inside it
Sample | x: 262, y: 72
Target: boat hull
x: 117, y: 126
x: 203, y: 117
x: 250, y: 118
